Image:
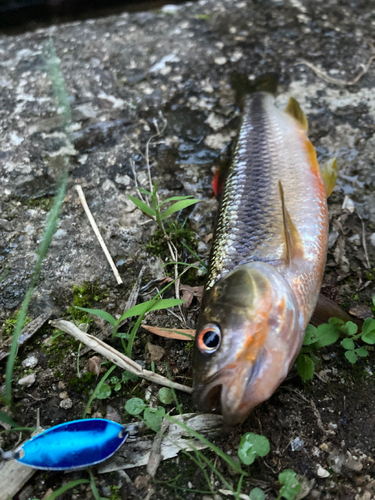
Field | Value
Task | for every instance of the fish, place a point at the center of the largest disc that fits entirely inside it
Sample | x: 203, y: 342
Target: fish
x: 267, y: 261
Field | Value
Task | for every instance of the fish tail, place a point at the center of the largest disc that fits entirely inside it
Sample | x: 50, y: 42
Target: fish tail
x: 268, y: 82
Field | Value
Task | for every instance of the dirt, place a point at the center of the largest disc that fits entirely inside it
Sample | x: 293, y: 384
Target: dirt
x: 117, y: 85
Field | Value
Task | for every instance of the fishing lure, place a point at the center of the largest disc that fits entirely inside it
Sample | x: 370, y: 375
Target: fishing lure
x: 267, y: 261
x: 72, y: 445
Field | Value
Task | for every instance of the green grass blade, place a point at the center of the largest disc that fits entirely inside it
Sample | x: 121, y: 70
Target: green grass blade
x: 94, y: 488
x: 7, y: 420
x: 194, y: 254
x: 151, y: 305
x: 102, y: 314
x: 66, y: 487
x: 97, y: 389
x: 52, y: 63
x: 142, y: 206
x: 176, y: 207
x: 235, y: 465
x: 133, y: 334
x: 144, y: 191
x: 175, y: 198
x: 185, y: 264
x: 43, y: 249
x: 58, y: 85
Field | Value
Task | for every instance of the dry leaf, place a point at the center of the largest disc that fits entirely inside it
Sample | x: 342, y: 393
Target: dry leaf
x: 142, y: 482
x: 94, y: 365
x: 189, y: 292
x: 360, y: 311
x: 154, y: 352
x: 169, y: 333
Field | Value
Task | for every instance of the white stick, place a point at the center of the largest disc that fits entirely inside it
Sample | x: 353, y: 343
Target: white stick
x: 115, y: 356
x: 98, y: 235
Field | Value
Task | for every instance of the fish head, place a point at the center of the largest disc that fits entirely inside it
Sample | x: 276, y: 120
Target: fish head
x: 248, y: 335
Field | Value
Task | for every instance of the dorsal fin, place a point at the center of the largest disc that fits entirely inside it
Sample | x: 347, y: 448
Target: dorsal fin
x: 329, y: 175
x: 294, y: 109
x: 293, y: 242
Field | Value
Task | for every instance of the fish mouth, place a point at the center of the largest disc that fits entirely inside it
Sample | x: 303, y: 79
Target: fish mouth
x: 233, y: 393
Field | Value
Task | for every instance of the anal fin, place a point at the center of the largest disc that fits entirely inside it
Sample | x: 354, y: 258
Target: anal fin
x: 294, y: 109
x: 292, y: 238
x: 329, y: 175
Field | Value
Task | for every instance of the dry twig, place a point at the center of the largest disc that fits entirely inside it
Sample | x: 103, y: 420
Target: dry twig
x: 364, y: 243
x: 329, y: 79
x: 115, y: 356
x: 26, y: 333
x: 155, y: 453
x: 97, y: 233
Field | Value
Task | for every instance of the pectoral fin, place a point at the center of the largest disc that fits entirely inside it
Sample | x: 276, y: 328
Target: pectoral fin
x: 326, y: 308
x: 329, y: 175
x: 293, y: 243
x: 294, y: 109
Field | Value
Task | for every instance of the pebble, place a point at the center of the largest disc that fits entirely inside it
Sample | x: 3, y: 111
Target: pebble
x: 236, y: 56
x: 123, y: 179
x: 348, y: 204
x: 215, y: 121
x: 321, y: 472
x: 28, y: 380
x: 63, y: 395
x: 30, y: 362
x: 217, y: 141
x: 297, y: 444
x: 372, y: 239
x: 202, y: 247
x: 154, y: 352
x: 66, y: 404
x: 220, y: 60
x: 106, y: 491
x: 113, y: 415
x: 170, y: 9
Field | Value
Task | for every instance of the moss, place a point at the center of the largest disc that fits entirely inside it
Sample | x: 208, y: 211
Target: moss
x: 175, y: 233
x: 81, y: 385
x: 10, y: 324
x: 189, y: 346
x: 43, y: 203
x: 115, y: 493
x: 85, y: 295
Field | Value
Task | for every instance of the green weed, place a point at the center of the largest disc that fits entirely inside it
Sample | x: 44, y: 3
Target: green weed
x: 328, y: 334
x: 155, y: 212
x: 11, y: 322
x: 83, y: 296
x: 170, y: 234
x: 252, y: 446
x: 152, y: 417
x: 115, y: 384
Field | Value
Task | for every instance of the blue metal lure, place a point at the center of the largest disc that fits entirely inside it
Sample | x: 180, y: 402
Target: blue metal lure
x: 72, y: 445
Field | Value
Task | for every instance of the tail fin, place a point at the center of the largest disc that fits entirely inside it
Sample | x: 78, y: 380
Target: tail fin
x: 264, y: 83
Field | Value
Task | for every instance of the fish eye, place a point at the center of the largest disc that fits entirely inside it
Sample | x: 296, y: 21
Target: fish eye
x: 209, y: 338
